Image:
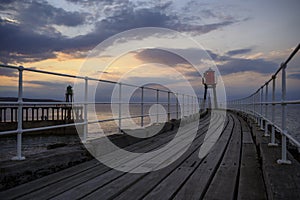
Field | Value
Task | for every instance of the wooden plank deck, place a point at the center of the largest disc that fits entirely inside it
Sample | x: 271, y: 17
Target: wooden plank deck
x: 231, y: 170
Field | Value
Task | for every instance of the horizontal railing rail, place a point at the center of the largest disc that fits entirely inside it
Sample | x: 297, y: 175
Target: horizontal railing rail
x: 257, y: 104
x: 191, y: 105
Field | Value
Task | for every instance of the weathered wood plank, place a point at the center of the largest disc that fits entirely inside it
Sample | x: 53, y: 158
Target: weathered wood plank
x: 47, y: 180
x: 199, y: 180
x: 282, y: 181
x: 121, y: 184
x: 91, y: 175
x: 68, y: 176
x: 141, y: 188
x: 90, y: 185
x: 251, y: 184
x: 224, y: 182
x: 168, y: 187
x: 108, y: 190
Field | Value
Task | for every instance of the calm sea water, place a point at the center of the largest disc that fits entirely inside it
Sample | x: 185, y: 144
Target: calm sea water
x: 105, y: 111
x: 293, y: 119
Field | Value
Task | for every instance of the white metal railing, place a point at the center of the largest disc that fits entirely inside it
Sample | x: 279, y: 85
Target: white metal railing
x: 253, y: 105
x: 191, y: 105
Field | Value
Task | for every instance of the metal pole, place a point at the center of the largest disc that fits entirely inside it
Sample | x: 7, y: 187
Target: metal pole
x: 253, y: 106
x: 257, y: 107
x: 261, y: 108
x: 215, y: 96
x: 199, y: 104
x: 169, y: 114
x: 177, y: 110
x: 283, y: 159
x: 195, y: 105
x: 85, y: 126
x: 120, y: 107
x: 157, y: 101
x: 266, y: 111
x: 142, y: 107
x: 192, y: 105
x: 188, y: 105
x: 183, y: 106
x: 273, y: 142
x: 20, y: 116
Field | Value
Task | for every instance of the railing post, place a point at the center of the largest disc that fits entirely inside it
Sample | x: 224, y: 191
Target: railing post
x: 20, y: 116
x: 266, y: 134
x: 242, y: 105
x: 120, y: 107
x: 199, y: 104
x: 235, y: 105
x: 192, y: 105
x: 257, y: 108
x: 169, y: 114
x: 247, y: 105
x: 177, y: 104
x: 283, y: 159
x: 253, y: 106
x: 183, y: 106
x: 195, y: 105
x: 273, y: 142
x: 157, y: 102
x: 85, y: 126
x: 188, y: 105
x: 142, y: 107
x: 261, y: 108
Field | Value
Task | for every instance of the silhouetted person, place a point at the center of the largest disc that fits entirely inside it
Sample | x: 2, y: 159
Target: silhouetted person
x: 69, y: 94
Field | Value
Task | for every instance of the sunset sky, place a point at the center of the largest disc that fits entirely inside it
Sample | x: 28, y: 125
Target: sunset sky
x: 247, y: 40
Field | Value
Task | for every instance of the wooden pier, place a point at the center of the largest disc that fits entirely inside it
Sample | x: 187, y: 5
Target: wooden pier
x: 239, y: 166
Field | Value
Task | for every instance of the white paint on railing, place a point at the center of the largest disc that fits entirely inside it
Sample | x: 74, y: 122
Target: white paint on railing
x: 20, y: 105
x: 20, y: 116
x: 261, y: 118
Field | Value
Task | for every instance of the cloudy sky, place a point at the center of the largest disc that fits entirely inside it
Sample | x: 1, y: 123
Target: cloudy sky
x: 247, y: 40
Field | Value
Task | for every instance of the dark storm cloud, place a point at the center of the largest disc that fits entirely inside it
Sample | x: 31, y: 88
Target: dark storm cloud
x: 201, y: 28
x: 34, y: 38
x: 234, y: 65
x: 177, y: 56
x: 160, y: 56
x: 45, y: 14
x: 238, y: 51
x: 18, y: 44
x: 228, y: 64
